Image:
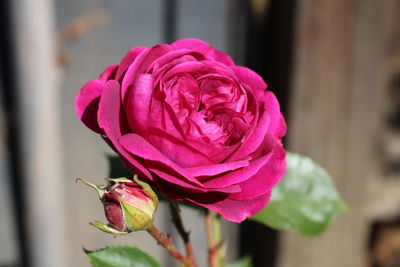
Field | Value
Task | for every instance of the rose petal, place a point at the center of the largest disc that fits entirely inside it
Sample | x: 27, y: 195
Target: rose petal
x: 108, y: 117
x: 250, y: 78
x: 216, y: 169
x: 180, y: 188
x: 175, y: 149
x: 251, y: 143
x: 266, y: 178
x: 108, y: 73
x: 138, y: 103
x: 237, y: 210
x: 140, y: 64
x: 203, y: 48
x: 127, y: 60
x: 140, y: 147
x: 239, y: 175
x: 87, y: 104
x: 276, y: 124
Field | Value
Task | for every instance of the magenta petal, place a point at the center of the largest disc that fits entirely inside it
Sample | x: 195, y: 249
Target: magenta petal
x: 176, y: 149
x: 203, y: 48
x: 251, y: 79
x: 277, y: 123
x: 238, y: 210
x: 108, y: 73
x: 266, y: 178
x: 87, y: 104
x: 109, y: 121
x: 138, y: 103
x: 215, y: 169
x: 239, y: 175
x: 139, y: 147
x: 140, y: 64
x: 184, y: 187
x: 127, y: 60
x: 256, y: 137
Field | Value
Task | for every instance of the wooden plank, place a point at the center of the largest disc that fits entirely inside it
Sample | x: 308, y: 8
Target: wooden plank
x: 127, y: 24
x: 335, y: 116
x: 8, y: 233
x: 40, y: 131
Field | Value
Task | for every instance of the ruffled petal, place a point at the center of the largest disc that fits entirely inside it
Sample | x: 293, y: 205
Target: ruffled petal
x: 140, y: 64
x: 203, y: 48
x: 138, y: 103
x: 175, y: 149
x: 255, y: 139
x: 108, y: 117
x: 237, y: 210
x: 266, y: 178
x: 216, y: 169
x: 254, y: 81
x: 138, y: 146
x: 239, y: 175
x: 87, y: 104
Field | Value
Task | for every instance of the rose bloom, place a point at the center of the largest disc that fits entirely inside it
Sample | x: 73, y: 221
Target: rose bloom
x: 193, y: 124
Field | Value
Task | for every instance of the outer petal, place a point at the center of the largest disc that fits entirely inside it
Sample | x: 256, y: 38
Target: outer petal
x: 140, y: 64
x: 211, y: 170
x: 139, y: 147
x: 266, y: 178
x: 108, y: 73
x: 241, y: 175
x: 87, y: 104
x: 109, y: 121
x: 237, y: 210
x: 251, y: 79
x: 127, y: 60
x: 276, y: 124
x: 138, y: 103
x: 87, y: 100
x: 203, y: 48
x: 176, y: 149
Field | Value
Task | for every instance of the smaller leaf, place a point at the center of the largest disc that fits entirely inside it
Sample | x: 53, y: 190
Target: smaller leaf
x: 305, y: 200
x: 122, y: 256
x: 243, y: 262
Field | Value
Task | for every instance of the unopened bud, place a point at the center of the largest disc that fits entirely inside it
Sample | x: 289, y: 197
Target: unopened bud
x: 128, y: 205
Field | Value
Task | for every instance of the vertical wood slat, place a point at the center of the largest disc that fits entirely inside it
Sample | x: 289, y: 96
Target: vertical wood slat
x: 335, y: 117
x: 39, y: 123
x: 8, y: 246
x: 131, y: 23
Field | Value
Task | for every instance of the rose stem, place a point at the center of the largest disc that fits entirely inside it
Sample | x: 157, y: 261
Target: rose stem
x: 218, y: 240
x: 212, y: 248
x: 166, y: 242
x: 177, y: 220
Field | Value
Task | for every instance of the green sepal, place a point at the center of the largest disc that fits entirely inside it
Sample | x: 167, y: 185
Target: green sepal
x: 108, y: 228
x: 100, y: 189
x: 149, y: 191
x: 119, y: 180
x: 134, y: 218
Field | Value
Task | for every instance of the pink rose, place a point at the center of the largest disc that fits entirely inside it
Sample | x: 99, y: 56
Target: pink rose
x: 193, y: 124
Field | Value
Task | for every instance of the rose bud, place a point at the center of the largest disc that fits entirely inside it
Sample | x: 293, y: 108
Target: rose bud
x: 128, y: 205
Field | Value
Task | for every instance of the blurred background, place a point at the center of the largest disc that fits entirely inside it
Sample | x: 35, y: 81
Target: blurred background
x: 334, y: 65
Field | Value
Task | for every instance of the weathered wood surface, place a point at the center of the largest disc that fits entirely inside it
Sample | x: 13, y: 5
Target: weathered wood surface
x: 336, y: 114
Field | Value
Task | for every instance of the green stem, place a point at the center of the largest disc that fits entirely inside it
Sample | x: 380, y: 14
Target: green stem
x: 213, y: 246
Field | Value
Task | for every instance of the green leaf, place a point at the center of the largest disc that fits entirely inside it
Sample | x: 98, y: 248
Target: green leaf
x: 122, y: 256
x: 243, y: 262
x: 305, y: 200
